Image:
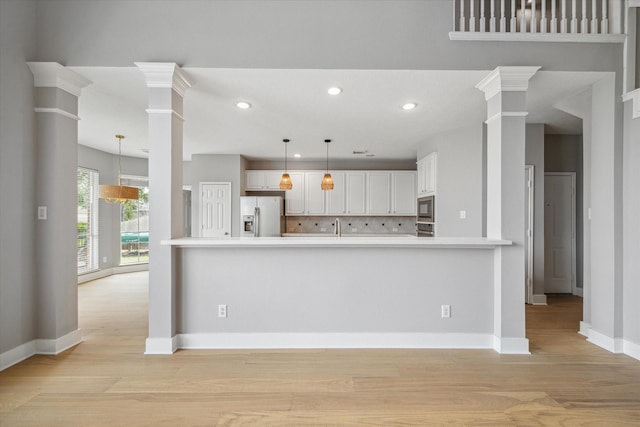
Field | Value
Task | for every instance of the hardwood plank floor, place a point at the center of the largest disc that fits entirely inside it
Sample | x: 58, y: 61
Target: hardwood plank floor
x: 107, y: 380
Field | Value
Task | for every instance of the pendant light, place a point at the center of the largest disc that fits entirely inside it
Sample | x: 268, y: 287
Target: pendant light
x: 285, y: 181
x: 118, y: 193
x: 327, y: 181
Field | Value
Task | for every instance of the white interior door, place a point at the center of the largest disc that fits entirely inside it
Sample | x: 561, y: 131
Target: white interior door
x: 559, y: 232
x: 215, y: 208
x: 528, y: 232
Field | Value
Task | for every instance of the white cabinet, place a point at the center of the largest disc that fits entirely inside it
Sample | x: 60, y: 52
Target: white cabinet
x: 314, y: 200
x: 336, y: 198
x: 427, y: 171
x: 378, y: 193
x: 263, y: 180
x: 403, y: 192
x: 355, y: 189
x: 295, y: 198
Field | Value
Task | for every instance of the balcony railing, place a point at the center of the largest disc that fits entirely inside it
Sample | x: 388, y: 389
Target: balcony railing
x: 545, y: 20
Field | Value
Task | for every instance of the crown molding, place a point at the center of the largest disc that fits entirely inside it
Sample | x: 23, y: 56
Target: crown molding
x: 52, y: 74
x: 506, y: 79
x: 165, y: 75
x: 634, y: 96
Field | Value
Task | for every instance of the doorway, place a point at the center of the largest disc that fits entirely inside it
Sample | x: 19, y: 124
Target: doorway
x: 215, y: 209
x: 528, y: 232
x: 560, y: 232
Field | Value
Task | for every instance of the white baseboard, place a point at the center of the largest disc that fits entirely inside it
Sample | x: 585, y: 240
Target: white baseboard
x: 39, y: 346
x: 17, y: 354
x: 161, y: 345
x: 539, y: 299
x: 631, y: 349
x: 99, y: 274
x: 614, y: 345
x: 584, y: 329
x: 578, y: 292
x: 334, y: 340
x: 58, y: 345
x: 511, y: 345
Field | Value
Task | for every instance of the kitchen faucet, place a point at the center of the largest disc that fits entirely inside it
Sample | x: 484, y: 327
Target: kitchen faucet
x: 338, y: 229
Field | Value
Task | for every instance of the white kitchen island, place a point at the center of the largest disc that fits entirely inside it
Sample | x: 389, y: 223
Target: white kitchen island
x: 335, y: 292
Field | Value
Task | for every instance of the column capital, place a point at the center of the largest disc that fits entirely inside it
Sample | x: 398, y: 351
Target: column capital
x: 507, y: 79
x: 52, y: 74
x: 165, y: 75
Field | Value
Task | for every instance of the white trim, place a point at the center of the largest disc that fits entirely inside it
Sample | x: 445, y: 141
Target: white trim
x: 614, y: 345
x: 506, y: 79
x: 634, y: 96
x: 511, y: 345
x: 52, y: 74
x: 631, y: 349
x: 506, y: 114
x: 17, y: 354
x: 539, y: 299
x: 335, y: 340
x: 584, y: 329
x: 58, y: 345
x: 165, y: 75
x: 537, y: 37
x: 634, y: 3
x: 161, y: 345
x: 578, y: 292
x: 529, y: 223
x: 164, y: 111
x: 56, y: 111
x: 39, y: 346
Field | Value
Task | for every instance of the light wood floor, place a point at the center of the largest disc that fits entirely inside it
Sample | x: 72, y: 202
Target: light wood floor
x: 107, y: 380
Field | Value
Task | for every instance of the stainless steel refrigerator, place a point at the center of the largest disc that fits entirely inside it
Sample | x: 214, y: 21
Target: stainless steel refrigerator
x: 261, y: 216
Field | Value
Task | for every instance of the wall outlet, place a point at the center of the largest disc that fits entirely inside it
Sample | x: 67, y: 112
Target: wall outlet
x: 446, y: 311
x: 354, y: 230
x: 42, y: 212
x: 323, y: 229
x: 463, y: 214
x: 394, y: 229
x: 104, y: 259
x: 222, y: 310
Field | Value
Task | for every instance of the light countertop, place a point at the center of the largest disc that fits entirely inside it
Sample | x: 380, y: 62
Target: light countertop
x: 360, y: 241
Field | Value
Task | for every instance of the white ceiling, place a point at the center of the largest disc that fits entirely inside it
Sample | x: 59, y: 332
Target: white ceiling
x: 294, y: 104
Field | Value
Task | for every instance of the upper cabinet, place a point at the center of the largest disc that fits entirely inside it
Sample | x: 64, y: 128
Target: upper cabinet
x: 381, y: 193
x: 263, y: 180
x: 427, y: 172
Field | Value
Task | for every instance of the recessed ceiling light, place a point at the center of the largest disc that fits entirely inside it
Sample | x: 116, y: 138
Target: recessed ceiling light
x: 243, y: 105
x: 334, y: 90
x: 297, y: 155
x: 409, y: 106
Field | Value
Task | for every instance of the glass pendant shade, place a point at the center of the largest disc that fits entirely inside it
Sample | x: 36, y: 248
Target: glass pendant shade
x: 118, y: 193
x: 327, y: 182
x: 285, y: 181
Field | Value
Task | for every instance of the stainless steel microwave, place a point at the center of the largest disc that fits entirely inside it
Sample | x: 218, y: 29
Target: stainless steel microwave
x: 426, y: 209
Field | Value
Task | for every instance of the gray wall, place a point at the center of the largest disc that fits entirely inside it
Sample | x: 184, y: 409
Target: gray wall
x: 17, y: 174
x: 563, y: 153
x: 322, y: 34
x: 535, y: 155
x: 216, y: 168
x: 631, y: 249
x: 338, y: 164
x: 459, y: 180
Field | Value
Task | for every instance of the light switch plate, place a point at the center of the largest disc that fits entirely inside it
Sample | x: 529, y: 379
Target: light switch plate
x: 42, y: 212
x: 463, y: 214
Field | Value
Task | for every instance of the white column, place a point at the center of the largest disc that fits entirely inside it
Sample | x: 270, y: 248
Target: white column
x: 56, y: 105
x: 167, y: 84
x: 505, y: 91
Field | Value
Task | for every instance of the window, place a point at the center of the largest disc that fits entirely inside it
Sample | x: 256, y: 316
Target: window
x: 134, y: 223
x: 87, y: 220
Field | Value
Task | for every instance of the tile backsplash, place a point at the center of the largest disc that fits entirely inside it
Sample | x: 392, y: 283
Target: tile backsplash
x: 352, y: 224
